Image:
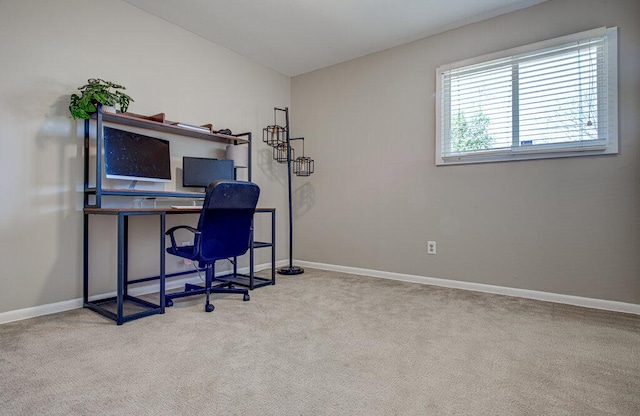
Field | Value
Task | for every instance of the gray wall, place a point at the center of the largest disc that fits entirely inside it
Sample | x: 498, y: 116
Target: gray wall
x: 568, y: 226
x: 48, y: 49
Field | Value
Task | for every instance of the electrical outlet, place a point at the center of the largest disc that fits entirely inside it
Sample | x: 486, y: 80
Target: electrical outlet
x: 431, y: 247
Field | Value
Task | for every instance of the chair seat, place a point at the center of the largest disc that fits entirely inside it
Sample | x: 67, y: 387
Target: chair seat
x: 183, y: 251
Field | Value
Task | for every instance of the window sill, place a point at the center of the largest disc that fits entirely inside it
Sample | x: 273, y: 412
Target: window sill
x: 509, y: 156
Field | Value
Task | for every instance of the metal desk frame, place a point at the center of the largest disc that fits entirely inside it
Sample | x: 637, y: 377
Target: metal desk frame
x: 250, y: 280
x: 122, y: 295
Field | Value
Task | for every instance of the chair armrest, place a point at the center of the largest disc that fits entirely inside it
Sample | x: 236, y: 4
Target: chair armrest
x: 187, y: 227
x: 196, y: 242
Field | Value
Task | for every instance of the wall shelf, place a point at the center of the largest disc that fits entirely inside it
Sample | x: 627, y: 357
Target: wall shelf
x: 156, y: 123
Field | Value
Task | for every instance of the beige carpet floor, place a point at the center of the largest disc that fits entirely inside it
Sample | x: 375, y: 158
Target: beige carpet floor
x: 326, y: 343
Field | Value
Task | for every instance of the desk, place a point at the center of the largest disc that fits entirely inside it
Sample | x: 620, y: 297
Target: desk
x: 143, y: 307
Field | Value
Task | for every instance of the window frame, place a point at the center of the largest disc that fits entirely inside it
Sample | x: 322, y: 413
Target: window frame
x: 600, y: 146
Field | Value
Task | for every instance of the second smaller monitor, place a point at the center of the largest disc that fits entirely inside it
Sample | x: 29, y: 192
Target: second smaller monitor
x: 199, y: 172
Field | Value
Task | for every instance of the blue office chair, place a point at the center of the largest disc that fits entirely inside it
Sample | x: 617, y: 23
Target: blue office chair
x: 224, y: 231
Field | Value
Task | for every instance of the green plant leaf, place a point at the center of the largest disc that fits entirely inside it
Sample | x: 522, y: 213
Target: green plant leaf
x: 97, y: 91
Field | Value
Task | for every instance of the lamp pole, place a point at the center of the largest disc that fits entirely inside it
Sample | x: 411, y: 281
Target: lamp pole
x: 291, y: 270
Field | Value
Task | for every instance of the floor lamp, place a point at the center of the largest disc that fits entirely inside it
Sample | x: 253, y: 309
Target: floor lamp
x: 279, y: 138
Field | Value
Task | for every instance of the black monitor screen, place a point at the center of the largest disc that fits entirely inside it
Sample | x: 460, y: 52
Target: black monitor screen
x: 199, y: 172
x: 136, y: 157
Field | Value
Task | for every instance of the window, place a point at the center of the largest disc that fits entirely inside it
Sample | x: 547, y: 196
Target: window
x: 556, y: 98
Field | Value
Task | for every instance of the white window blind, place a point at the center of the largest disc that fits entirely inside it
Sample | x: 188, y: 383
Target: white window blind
x: 550, y: 99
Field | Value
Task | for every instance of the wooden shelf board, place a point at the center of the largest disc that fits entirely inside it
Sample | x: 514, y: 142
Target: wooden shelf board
x: 152, y: 123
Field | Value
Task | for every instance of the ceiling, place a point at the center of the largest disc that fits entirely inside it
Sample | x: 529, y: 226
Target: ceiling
x: 298, y: 36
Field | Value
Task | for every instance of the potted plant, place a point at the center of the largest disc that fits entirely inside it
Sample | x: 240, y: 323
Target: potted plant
x: 97, y: 91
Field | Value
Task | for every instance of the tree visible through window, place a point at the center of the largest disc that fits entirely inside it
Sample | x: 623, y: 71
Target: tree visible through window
x: 472, y: 134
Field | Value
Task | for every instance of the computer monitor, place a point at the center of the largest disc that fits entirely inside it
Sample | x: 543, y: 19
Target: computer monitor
x: 199, y: 172
x: 136, y: 157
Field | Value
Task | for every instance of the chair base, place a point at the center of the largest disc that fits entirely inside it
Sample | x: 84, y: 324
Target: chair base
x: 291, y: 270
x: 191, y: 290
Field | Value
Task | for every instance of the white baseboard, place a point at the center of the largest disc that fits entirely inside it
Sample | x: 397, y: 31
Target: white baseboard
x: 48, y: 309
x: 608, y: 305
x: 66, y: 305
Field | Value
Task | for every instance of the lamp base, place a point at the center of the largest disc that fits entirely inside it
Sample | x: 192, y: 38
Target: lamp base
x: 291, y: 270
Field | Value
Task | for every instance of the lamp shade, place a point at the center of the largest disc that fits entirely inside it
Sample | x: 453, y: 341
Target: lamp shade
x: 239, y: 155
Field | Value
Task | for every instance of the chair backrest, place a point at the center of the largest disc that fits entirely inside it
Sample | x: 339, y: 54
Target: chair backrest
x: 225, y: 220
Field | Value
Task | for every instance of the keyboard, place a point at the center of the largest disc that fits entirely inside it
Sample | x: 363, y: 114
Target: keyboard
x: 186, y: 207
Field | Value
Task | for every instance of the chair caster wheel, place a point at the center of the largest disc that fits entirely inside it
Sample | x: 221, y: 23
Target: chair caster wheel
x: 168, y: 303
x: 208, y: 308
x: 246, y: 298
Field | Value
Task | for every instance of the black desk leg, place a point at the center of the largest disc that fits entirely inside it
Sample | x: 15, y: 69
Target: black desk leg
x: 251, y: 260
x: 273, y: 247
x: 125, y: 289
x: 121, y: 268
x: 85, y: 262
x: 163, y: 225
